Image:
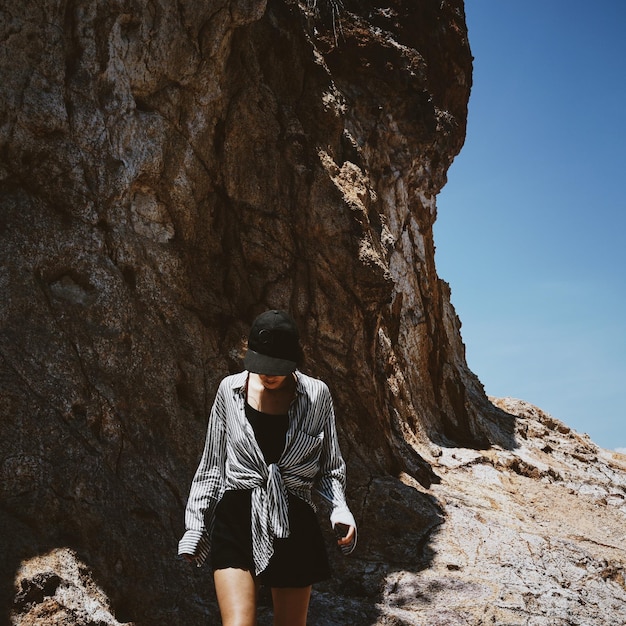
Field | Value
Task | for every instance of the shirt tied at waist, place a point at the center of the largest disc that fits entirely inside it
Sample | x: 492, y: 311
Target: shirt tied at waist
x: 270, y: 516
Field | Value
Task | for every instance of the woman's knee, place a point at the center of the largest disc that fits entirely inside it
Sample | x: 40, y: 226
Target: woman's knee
x: 244, y: 620
x: 291, y: 605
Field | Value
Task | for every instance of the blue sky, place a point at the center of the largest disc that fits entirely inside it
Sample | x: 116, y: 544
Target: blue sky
x: 531, y: 227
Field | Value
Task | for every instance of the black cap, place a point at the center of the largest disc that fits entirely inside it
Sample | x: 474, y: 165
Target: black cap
x: 273, y: 345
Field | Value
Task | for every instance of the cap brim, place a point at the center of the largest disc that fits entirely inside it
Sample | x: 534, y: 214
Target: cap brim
x: 267, y: 365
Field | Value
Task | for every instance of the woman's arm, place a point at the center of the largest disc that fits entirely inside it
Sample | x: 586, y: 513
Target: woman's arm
x: 207, y: 487
x: 331, y: 483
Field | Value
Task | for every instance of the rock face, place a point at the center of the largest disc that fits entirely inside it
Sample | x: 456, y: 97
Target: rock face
x: 169, y: 170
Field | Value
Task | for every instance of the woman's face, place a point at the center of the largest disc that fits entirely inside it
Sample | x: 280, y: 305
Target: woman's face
x: 272, y: 382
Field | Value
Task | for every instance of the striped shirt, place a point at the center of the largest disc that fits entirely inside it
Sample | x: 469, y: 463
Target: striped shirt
x: 232, y: 459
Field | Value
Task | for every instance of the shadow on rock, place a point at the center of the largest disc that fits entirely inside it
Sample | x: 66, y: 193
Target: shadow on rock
x: 396, y: 527
x: 492, y: 426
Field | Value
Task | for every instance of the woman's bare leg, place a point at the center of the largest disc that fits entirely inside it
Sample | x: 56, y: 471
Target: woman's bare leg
x: 291, y: 605
x: 236, y: 595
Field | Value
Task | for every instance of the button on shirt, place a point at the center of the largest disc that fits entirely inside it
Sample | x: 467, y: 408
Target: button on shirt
x: 232, y: 459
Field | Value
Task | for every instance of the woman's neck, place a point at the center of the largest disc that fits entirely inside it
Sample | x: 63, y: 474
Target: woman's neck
x: 270, y: 395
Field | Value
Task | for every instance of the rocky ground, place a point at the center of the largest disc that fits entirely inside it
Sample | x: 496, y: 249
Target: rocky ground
x: 533, y: 535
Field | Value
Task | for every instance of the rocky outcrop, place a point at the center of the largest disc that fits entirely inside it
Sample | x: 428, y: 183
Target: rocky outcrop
x: 169, y: 170
x: 532, y: 535
x: 57, y: 589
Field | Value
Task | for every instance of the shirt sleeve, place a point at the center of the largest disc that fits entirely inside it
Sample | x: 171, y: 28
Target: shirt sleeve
x: 207, y: 486
x: 331, y: 482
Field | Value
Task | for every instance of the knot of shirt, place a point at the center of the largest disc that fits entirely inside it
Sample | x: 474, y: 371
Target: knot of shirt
x: 270, y: 516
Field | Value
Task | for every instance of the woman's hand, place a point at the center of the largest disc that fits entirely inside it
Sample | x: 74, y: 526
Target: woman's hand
x: 347, y: 540
x: 190, y: 558
x: 345, y: 534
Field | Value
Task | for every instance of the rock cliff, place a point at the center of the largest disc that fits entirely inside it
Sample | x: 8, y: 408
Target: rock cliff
x: 169, y: 170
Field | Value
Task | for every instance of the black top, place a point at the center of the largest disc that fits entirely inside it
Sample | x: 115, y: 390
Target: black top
x: 270, y: 432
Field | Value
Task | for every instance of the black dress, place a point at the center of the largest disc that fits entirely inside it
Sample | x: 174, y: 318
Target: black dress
x: 299, y: 560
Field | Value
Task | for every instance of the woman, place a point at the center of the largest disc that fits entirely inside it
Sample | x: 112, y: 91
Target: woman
x: 271, y: 438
